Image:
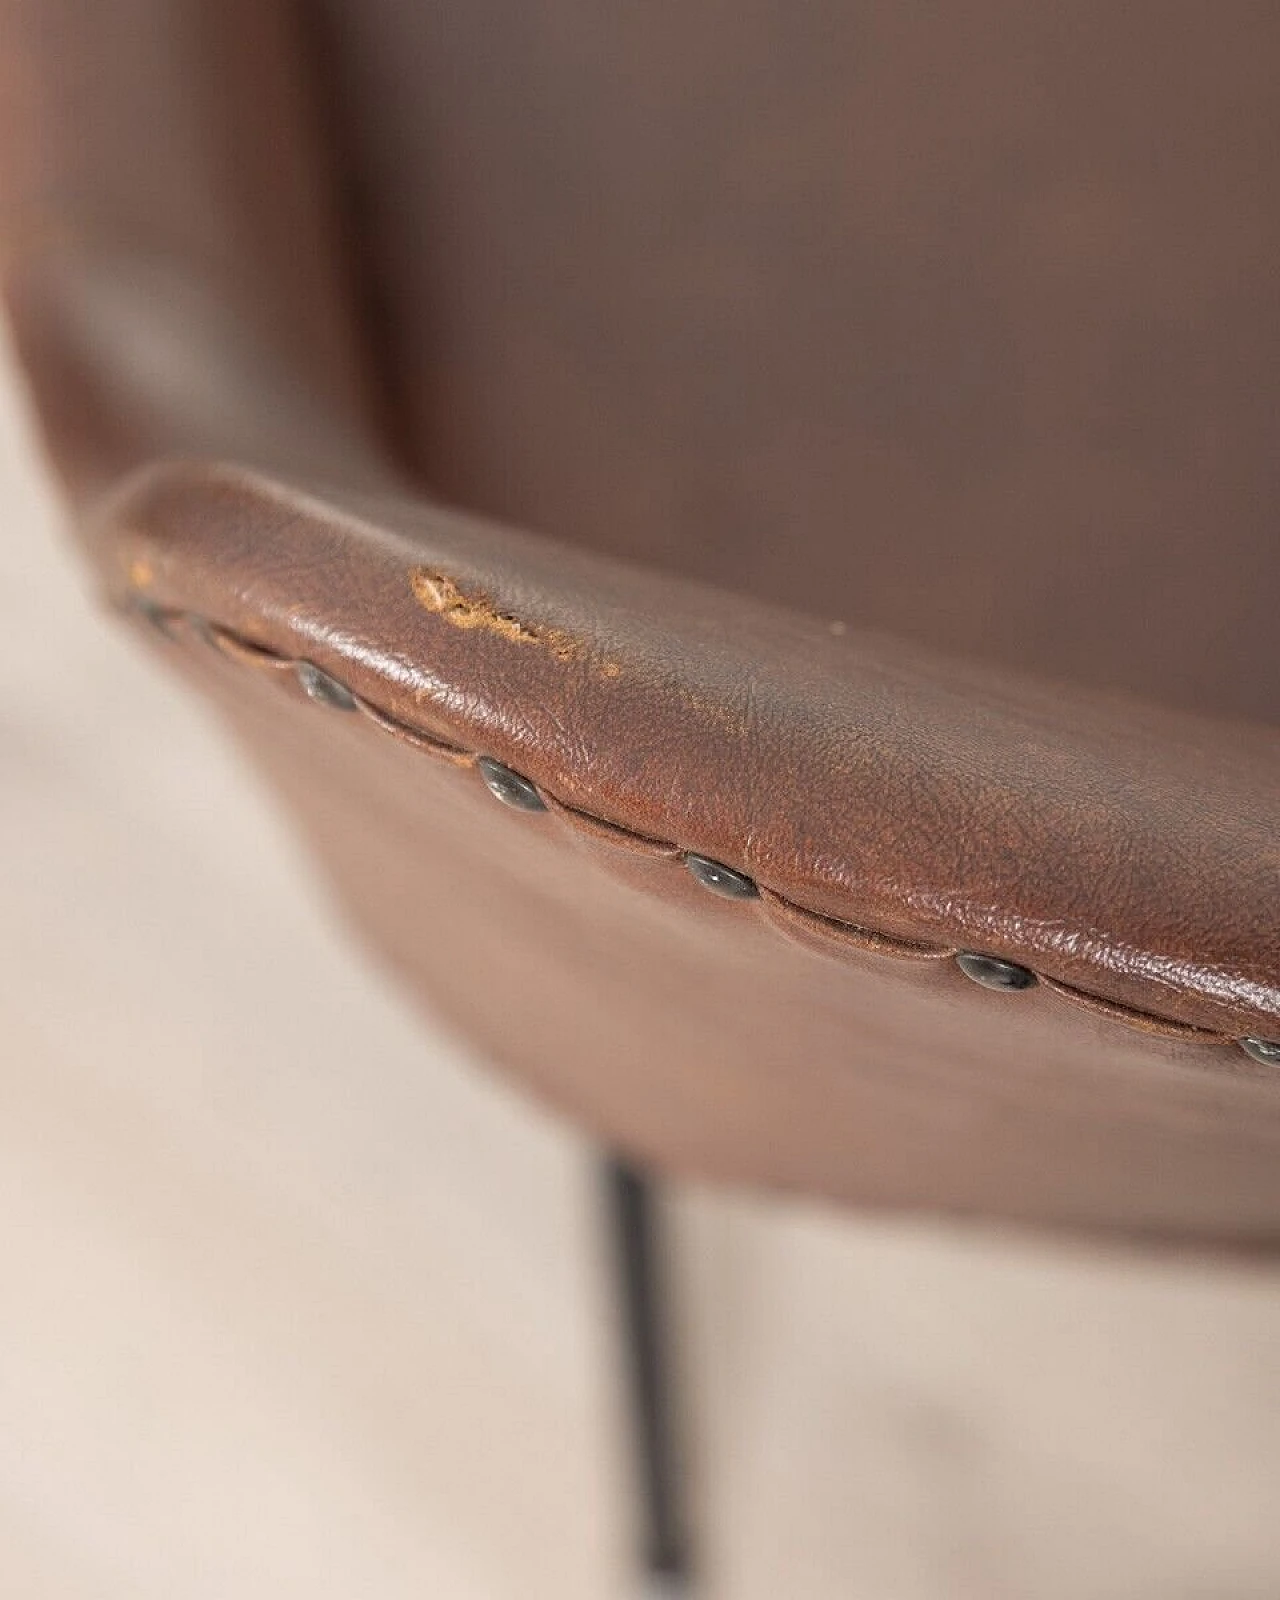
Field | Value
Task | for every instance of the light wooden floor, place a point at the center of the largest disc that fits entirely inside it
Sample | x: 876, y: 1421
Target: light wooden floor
x: 296, y: 1301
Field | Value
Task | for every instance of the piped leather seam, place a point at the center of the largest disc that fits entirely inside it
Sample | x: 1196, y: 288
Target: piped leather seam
x: 786, y: 915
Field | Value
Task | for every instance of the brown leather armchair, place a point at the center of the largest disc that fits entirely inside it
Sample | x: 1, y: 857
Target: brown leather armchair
x: 747, y: 536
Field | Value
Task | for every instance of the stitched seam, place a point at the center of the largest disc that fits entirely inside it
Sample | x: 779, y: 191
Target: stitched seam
x: 786, y: 915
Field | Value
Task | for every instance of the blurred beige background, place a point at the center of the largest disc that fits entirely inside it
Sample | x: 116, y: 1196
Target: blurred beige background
x: 296, y: 1300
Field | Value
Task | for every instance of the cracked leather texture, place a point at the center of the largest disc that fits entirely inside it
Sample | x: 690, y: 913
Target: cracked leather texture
x: 864, y: 779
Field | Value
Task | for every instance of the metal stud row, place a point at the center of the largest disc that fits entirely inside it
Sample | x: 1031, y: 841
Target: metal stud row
x: 513, y: 789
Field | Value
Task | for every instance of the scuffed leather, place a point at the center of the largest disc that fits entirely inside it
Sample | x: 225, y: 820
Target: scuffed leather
x: 860, y: 777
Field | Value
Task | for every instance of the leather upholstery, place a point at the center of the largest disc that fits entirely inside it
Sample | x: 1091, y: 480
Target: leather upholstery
x: 742, y: 305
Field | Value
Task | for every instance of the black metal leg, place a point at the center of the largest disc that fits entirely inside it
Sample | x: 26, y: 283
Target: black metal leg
x: 639, y: 1271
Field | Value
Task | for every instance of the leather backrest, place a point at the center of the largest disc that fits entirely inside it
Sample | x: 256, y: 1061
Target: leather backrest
x: 957, y: 321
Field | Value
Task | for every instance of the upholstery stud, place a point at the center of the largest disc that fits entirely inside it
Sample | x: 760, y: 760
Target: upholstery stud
x: 323, y: 689
x: 153, y: 615
x: 509, y: 787
x: 1267, y: 1051
x: 992, y: 973
x: 714, y: 875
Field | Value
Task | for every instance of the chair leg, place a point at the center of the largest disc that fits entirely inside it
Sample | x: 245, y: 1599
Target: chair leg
x: 638, y: 1265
